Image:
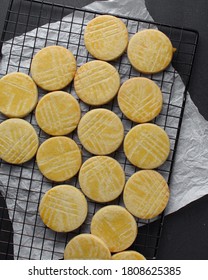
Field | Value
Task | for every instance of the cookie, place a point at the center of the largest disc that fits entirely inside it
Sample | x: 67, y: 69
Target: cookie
x: 86, y: 247
x: 58, y: 113
x: 115, y: 226
x: 18, y: 141
x: 63, y: 208
x: 59, y: 158
x: 140, y: 99
x: 128, y: 255
x: 147, y: 146
x: 106, y: 37
x: 150, y: 51
x: 96, y: 82
x: 53, y: 68
x: 100, y: 131
x: 101, y: 178
x: 146, y: 194
x: 18, y: 95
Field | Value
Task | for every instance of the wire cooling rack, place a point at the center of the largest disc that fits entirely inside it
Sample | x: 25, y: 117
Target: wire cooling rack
x: 22, y: 233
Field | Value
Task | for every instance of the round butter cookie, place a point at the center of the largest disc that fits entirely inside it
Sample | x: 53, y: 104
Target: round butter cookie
x: 86, y: 247
x: 58, y: 113
x: 63, y: 208
x: 100, y: 131
x: 146, y: 194
x: 101, y: 178
x: 147, y: 146
x: 128, y: 255
x: 106, y: 37
x: 53, y: 68
x: 18, y: 141
x: 115, y: 226
x: 150, y: 51
x: 59, y: 158
x: 140, y: 99
x: 96, y: 82
x: 18, y: 95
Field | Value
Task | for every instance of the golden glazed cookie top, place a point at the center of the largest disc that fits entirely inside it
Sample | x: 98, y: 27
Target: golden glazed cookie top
x: 18, y: 141
x: 58, y: 113
x: 18, y: 95
x: 128, y: 255
x: 101, y: 178
x: 53, y: 68
x: 100, y: 131
x: 115, y: 226
x: 140, y: 99
x: 96, y: 82
x: 63, y: 208
x: 106, y: 37
x: 59, y: 158
x: 150, y: 51
x: 146, y: 194
x: 86, y: 247
x: 147, y: 146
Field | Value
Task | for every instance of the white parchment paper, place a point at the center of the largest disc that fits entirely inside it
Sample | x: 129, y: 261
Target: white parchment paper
x: 189, y: 179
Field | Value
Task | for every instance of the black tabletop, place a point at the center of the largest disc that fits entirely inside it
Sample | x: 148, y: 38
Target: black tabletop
x: 184, y: 234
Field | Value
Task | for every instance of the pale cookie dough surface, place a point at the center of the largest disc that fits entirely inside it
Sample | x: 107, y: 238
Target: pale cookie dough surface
x: 86, y: 247
x: 58, y: 113
x: 106, y: 37
x: 53, y: 68
x: 63, y: 208
x: 101, y: 178
x: 18, y: 141
x: 100, y: 131
x: 96, y: 82
x: 128, y: 255
x: 59, y: 158
x: 140, y: 99
x: 146, y: 194
x: 18, y: 95
x: 115, y: 226
x: 150, y: 51
x: 147, y: 146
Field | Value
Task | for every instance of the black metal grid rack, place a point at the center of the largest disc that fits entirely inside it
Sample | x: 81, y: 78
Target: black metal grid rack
x: 22, y: 234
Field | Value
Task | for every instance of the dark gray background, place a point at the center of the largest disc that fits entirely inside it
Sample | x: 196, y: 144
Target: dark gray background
x: 185, y: 232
